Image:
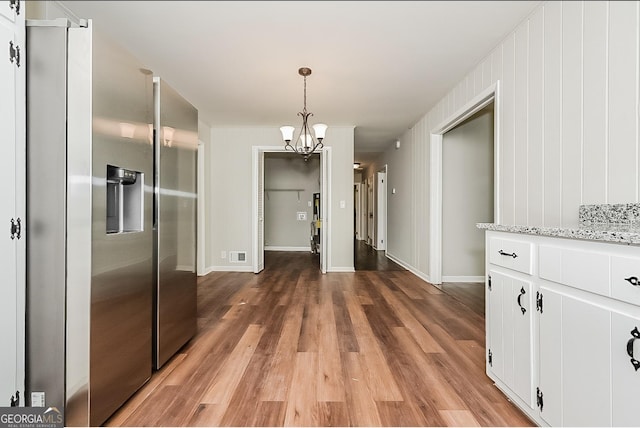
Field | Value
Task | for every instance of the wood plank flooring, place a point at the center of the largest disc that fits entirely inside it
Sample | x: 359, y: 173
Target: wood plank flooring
x: 367, y: 258
x: 293, y: 347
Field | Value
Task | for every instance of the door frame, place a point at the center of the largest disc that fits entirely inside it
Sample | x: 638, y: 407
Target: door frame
x: 480, y: 101
x: 325, y: 196
x: 381, y: 210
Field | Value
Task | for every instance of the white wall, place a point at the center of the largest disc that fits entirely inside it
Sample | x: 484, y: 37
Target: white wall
x: 283, y: 174
x: 569, y: 123
x: 228, y: 194
x: 467, y: 196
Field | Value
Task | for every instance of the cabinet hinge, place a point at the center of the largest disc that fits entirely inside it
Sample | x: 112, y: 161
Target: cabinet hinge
x: 16, y: 229
x: 15, y: 4
x: 539, y: 301
x: 489, y: 282
x: 539, y: 396
x: 14, y: 54
x: 490, y: 358
x: 15, y: 400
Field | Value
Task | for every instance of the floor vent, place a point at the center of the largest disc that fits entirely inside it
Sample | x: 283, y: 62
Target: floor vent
x: 237, y: 256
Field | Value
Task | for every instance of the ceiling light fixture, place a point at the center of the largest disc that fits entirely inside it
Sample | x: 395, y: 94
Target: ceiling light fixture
x: 306, y: 143
x: 356, y: 165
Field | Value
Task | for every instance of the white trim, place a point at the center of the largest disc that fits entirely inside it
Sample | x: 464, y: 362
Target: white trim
x: 463, y: 279
x: 230, y: 269
x: 325, y: 202
x: 341, y: 269
x: 277, y: 248
x: 206, y: 271
x: 412, y: 269
x: 484, y: 98
x: 201, y: 213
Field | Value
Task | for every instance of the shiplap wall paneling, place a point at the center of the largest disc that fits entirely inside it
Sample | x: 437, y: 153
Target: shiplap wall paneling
x: 553, y: 114
x: 594, y: 97
x: 521, y: 141
x: 486, y: 73
x: 571, y: 110
x: 477, y: 80
x: 623, y: 94
x: 535, y: 126
x: 508, y: 130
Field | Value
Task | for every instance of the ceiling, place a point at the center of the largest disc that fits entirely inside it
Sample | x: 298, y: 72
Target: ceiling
x: 377, y: 65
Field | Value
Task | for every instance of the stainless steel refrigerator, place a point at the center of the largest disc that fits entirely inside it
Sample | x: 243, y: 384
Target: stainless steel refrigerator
x: 89, y: 222
x: 175, y: 154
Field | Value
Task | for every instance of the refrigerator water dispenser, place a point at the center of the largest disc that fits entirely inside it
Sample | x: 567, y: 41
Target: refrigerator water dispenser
x: 125, y: 200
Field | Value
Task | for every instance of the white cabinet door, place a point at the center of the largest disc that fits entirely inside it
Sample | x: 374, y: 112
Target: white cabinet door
x: 625, y: 378
x: 575, y: 361
x: 8, y: 293
x: 8, y: 9
x: 511, y: 333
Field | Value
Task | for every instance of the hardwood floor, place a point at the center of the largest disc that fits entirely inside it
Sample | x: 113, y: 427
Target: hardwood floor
x: 367, y: 258
x: 291, y: 346
x: 469, y: 293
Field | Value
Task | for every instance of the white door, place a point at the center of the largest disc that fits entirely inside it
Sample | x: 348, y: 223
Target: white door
x: 259, y: 262
x: 370, y: 215
x: 381, y: 212
x: 575, y: 344
x: 625, y: 380
x: 12, y: 166
x: 325, y: 168
x: 511, y: 333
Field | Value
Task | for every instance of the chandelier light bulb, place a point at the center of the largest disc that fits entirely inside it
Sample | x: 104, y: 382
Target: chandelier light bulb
x: 287, y: 133
x: 320, y: 129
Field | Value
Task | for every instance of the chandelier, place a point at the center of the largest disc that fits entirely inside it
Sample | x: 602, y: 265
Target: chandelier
x: 306, y: 143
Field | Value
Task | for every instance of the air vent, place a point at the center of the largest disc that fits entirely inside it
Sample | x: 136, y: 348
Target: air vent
x: 237, y: 256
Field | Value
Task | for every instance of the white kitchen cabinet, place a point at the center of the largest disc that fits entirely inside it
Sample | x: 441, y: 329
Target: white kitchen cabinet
x: 511, y: 338
x: 583, y: 321
x: 12, y: 177
x: 575, y: 361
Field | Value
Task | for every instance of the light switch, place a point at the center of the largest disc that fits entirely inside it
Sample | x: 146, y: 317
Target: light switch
x: 343, y: 204
x: 393, y: 191
x: 309, y: 203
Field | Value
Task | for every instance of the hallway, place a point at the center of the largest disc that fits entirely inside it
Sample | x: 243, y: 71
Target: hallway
x: 293, y: 347
x: 366, y: 257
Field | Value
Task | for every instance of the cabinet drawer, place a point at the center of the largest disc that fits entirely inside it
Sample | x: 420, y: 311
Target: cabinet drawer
x: 625, y: 272
x: 585, y: 270
x: 511, y: 254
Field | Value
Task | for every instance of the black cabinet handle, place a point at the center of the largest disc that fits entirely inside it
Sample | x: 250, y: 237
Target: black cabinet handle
x: 522, y: 293
x: 502, y: 253
x: 635, y: 335
x: 633, y: 280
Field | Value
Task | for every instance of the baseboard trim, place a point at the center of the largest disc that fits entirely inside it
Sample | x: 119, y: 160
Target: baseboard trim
x: 423, y: 276
x: 185, y: 268
x: 454, y: 278
x: 341, y: 269
x: 206, y: 271
x: 277, y: 248
x: 230, y: 269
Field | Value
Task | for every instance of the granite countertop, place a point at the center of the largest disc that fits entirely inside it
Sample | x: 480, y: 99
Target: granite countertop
x: 619, y: 223
x: 618, y: 233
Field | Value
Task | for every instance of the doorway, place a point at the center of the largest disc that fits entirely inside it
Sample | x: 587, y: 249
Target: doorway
x: 491, y: 95
x: 260, y: 192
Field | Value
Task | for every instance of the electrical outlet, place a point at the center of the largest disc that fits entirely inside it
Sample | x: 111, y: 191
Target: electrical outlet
x: 223, y: 254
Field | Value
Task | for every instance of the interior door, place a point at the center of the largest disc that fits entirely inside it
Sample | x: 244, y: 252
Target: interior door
x: 370, y: 218
x: 325, y: 167
x: 8, y: 284
x: 259, y: 265
x: 381, y: 212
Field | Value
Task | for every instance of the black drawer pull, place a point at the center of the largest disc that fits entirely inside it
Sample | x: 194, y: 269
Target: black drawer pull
x: 502, y: 253
x: 636, y: 335
x: 633, y: 280
x: 522, y: 293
